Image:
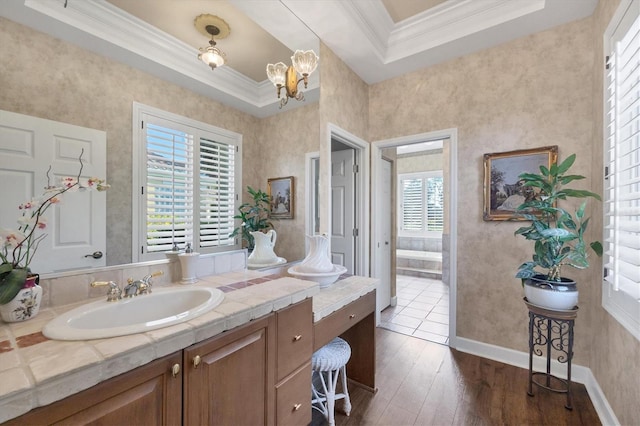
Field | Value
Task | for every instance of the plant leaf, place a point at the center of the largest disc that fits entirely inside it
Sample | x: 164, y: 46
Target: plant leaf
x: 597, y: 248
x: 11, y: 284
x: 566, y: 164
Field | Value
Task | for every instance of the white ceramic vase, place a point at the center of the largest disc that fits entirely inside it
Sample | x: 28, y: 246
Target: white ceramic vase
x: 263, y: 253
x: 25, y: 305
x: 317, y: 261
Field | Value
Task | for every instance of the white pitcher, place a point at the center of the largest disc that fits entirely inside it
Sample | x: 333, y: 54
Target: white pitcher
x: 262, y: 253
x: 317, y: 261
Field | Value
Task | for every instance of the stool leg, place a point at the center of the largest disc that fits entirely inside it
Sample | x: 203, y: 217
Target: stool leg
x: 347, y: 400
x: 332, y: 378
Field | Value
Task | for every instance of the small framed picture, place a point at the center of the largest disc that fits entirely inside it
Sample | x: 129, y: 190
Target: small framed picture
x: 281, y: 196
x: 503, y: 191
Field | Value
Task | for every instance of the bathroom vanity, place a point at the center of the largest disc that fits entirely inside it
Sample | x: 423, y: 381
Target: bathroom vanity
x: 246, y: 362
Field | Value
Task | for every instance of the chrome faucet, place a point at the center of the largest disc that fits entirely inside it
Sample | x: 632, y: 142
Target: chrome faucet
x: 143, y: 286
x: 114, y: 294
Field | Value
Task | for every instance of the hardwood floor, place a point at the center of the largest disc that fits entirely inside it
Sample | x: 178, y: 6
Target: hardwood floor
x: 424, y: 383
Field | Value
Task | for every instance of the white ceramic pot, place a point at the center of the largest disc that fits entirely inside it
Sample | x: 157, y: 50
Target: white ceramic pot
x: 25, y: 305
x: 551, y: 295
x: 263, y: 253
x: 317, y: 261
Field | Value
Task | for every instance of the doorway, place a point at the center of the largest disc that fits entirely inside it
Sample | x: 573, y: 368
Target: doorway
x: 422, y: 282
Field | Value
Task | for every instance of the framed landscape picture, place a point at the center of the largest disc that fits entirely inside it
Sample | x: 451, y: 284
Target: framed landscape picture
x: 281, y: 196
x: 503, y: 191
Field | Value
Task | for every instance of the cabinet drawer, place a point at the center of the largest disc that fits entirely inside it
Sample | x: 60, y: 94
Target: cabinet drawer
x: 293, y: 398
x: 295, y: 337
x: 341, y: 320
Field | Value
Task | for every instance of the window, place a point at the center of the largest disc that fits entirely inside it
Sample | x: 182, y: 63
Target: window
x: 621, y: 287
x: 421, y: 203
x: 187, y: 181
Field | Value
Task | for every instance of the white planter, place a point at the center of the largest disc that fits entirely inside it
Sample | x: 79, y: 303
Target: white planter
x: 24, y: 306
x: 551, y: 295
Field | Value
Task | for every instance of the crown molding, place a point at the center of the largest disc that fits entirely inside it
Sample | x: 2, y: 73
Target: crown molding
x: 434, y: 27
x: 133, y: 41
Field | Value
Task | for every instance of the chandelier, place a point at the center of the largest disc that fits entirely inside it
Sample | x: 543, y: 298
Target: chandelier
x: 215, y: 27
x: 281, y: 75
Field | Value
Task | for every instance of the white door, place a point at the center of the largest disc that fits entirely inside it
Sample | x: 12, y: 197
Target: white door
x: 76, y: 227
x: 343, y: 209
x: 383, y: 294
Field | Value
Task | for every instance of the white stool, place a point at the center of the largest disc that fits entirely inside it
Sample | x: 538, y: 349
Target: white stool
x: 331, y: 360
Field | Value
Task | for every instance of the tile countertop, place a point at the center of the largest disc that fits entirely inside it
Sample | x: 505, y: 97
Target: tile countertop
x: 36, y: 371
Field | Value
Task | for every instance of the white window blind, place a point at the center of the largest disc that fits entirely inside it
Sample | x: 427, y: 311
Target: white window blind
x: 169, y: 188
x: 412, y: 204
x: 188, y: 183
x: 621, y: 289
x: 421, y: 203
x: 217, y: 193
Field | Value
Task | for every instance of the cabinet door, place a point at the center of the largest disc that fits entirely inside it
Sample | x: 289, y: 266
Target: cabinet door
x: 148, y: 395
x: 228, y: 379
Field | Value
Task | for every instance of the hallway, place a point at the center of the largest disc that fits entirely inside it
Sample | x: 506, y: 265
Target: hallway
x: 422, y: 310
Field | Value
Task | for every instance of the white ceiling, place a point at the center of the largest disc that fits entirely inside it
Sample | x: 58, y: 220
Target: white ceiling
x: 377, y: 39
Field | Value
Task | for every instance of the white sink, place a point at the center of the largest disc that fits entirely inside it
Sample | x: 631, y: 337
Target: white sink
x: 162, y: 308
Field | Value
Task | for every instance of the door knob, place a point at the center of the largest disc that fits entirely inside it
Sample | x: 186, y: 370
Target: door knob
x: 95, y: 255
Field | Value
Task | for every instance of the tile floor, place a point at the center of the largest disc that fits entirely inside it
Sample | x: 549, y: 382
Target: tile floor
x: 422, y: 310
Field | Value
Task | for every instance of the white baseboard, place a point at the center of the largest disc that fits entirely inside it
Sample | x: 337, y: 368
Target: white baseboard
x: 579, y: 373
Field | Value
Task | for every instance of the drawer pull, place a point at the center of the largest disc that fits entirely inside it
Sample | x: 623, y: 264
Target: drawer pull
x: 296, y: 407
x: 196, y: 361
x: 297, y: 337
x: 175, y: 370
x: 352, y: 316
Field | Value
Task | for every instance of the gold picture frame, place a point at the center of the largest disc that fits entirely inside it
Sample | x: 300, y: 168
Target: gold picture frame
x: 281, y: 197
x: 502, y: 190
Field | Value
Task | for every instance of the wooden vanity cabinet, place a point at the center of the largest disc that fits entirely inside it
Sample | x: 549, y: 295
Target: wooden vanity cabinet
x: 148, y: 395
x: 228, y: 378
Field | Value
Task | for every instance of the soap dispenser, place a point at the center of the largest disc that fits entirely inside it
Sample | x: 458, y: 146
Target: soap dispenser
x: 188, y: 264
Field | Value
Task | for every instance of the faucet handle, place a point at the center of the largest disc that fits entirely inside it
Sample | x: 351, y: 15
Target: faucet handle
x: 145, y: 286
x: 114, y: 294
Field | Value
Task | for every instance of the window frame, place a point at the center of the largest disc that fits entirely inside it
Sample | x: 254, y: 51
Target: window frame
x: 619, y: 304
x: 424, y: 233
x: 199, y: 129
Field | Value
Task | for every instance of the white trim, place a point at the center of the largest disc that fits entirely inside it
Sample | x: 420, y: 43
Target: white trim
x: 362, y: 149
x: 376, y: 167
x: 580, y: 374
x: 310, y: 197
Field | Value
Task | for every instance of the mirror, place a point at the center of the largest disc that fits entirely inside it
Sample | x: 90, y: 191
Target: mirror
x: 80, y: 86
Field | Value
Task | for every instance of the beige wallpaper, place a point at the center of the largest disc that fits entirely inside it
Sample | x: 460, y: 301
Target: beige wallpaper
x: 75, y: 86
x: 536, y: 91
x: 343, y: 102
x: 279, y: 151
x: 413, y: 163
x: 532, y: 92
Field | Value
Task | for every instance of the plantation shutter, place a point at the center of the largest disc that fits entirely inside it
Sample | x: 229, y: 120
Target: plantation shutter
x: 217, y: 193
x: 169, y: 188
x: 622, y: 184
x: 621, y: 286
x: 435, y: 204
x: 412, y: 202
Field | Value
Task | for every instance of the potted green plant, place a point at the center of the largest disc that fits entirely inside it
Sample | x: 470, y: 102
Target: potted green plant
x: 254, y: 216
x: 19, y: 291
x: 559, y: 236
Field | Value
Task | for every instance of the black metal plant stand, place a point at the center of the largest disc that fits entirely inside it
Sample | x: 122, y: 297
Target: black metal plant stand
x: 551, y: 332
